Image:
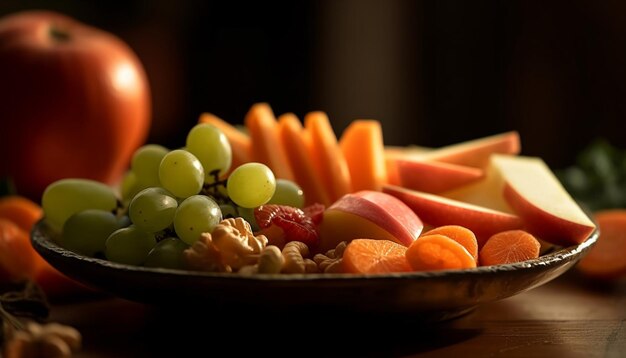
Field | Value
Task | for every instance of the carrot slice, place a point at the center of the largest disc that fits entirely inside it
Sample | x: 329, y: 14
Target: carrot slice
x: 328, y: 159
x: 370, y: 256
x: 438, y: 252
x: 21, y: 211
x: 460, y: 234
x: 239, y: 141
x: 508, y: 247
x: 606, y: 260
x: 292, y: 137
x: 263, y: 129
x: 362, y: 146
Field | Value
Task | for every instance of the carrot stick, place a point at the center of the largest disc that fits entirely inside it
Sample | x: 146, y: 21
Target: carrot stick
x: 370, y: 256
x: 508, y: 247
x: 239, y: 141
x: 362, y: 146
x: 606, y: 259
x: 327, y: 156
x: 460, y: 234
x: 292, y: 137
x: 438, y: 252
x: 264, y: 134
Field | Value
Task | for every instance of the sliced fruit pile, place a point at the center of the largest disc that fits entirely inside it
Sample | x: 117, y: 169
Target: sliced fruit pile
x: 288, y: 196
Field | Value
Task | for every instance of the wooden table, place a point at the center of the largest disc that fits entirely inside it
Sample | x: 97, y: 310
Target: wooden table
x: 568, y: 317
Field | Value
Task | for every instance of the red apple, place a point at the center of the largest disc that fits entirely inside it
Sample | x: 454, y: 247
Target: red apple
x: 368, y: 214
x: 436, y: 210
x: 435, y: 177
x: 75, y: 101
x: 537, y: 196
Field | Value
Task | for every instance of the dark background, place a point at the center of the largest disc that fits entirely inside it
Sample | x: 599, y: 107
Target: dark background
x: 434, y: 72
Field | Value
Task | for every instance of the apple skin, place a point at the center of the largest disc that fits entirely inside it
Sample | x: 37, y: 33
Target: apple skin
x: 436, y: 211
x: 75, y: 102
x: 369, y: 214
x: 477, y: 152
x: 472, y: 153
x: 435, y: 177
x: 536, y: 195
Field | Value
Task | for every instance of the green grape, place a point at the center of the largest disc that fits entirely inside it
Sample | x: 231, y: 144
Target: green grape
x: 195, y: 215
x: 129, y: 245
x: 211, y: 147
x: 251, y: 185
x: 145, y: 164
x: 181, y: 173
x: 228, y: 211
x: 248, y: 215
x: 130, y: 186
x: 66, y: 197
x: 168, y: 253
x: 287, y: 193
x: 123, y: 221
x: 153, y: 209
x: 86, y: 232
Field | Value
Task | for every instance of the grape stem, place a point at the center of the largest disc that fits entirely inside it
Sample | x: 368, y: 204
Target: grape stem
x: 212, y: 189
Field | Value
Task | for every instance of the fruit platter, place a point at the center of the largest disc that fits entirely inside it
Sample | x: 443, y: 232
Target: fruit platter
x: 282, y: 212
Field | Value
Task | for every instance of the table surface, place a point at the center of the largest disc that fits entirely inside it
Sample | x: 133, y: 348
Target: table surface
x: 567, y: 317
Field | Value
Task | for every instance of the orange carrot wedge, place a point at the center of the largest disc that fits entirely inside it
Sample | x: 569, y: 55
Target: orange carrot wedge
x: 327, y: 157
x: 239, y: 141
x: 292, y: 137
x: 362, y: 146
x: 263, y: 129
x: 460, y: 234
x: 438, y: 252
x: 606, y: 259
x: 508, y: 247
x: 370, y: 256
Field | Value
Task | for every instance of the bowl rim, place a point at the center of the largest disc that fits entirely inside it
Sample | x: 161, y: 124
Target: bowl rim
x: 45, y: 246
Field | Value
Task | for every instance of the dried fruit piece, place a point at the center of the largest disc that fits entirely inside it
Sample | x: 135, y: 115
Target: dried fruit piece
x: 295, y: 224
x: 315, y: 212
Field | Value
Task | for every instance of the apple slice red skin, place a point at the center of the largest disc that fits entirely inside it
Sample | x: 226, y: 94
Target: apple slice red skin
x: 544, y: 225
x: 383, y: 209
x: 438, y: 211
x: 435, y: 177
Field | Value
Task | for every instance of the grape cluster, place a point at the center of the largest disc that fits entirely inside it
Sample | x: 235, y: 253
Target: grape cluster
x: 168, y: 199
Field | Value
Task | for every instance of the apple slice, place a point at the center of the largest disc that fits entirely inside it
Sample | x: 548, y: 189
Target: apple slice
x: 436, y: 210
x: 537, y: 196
x: 474, y: 153
x: 435, y: 177
x: 368, y: 214
x: 393, y: 153
x: 485, y: 192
